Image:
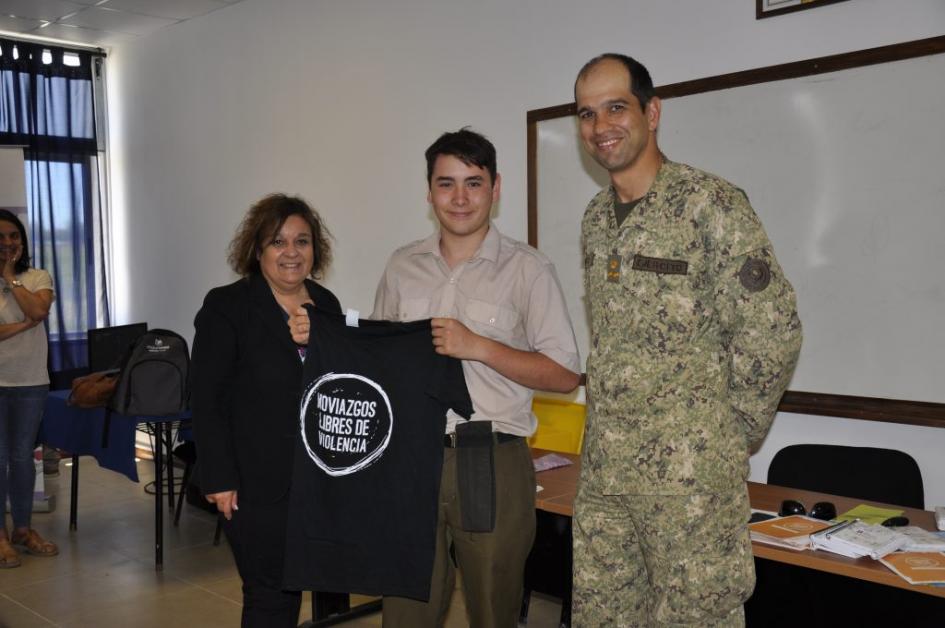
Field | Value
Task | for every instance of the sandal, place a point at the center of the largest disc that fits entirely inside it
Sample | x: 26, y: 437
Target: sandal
x: 8, y: 556
x: 33, y: 543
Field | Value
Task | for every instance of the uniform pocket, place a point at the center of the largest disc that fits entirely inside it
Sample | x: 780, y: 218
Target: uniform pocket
x: 492, y: 320
x: 667, y: 310
x: 414, y: 309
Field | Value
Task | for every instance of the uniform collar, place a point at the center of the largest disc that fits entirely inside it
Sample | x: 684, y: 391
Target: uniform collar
x: 488, y: 250
x: 663, y: 176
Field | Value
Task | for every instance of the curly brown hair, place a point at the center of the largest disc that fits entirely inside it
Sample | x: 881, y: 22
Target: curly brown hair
x: 263, y: 222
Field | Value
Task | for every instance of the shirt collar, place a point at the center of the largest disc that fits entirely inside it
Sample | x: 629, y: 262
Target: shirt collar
x: 663, y: 175
x: 488, y: 250
x: 430, y: 245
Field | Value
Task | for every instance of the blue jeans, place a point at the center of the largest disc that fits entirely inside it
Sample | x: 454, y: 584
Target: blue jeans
x: 21, y: 411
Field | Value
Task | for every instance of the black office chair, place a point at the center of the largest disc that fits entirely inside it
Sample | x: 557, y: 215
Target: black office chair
x: 786, y: 595
x: 879, y: 475
x: 549, y: 566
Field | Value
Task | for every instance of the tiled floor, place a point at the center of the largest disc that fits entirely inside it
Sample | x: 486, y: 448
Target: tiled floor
x: 104, y: 576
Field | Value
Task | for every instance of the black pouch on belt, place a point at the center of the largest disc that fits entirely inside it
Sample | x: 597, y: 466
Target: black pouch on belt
x: 475, y: 474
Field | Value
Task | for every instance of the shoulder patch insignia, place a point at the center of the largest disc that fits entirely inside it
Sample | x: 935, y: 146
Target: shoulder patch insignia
x: 755, y: 275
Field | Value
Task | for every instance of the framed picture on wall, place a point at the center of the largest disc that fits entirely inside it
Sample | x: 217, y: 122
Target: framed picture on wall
x: 768, y: 8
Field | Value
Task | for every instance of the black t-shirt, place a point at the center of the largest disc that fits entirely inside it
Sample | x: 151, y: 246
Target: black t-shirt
x: 363, y: 502
x: 622, y: 210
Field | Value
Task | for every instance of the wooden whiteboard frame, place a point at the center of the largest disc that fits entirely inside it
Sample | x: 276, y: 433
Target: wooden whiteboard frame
x: 762, y: 12
x: 824, y: 404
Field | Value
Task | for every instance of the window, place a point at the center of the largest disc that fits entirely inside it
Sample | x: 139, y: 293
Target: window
x: 49, y: 99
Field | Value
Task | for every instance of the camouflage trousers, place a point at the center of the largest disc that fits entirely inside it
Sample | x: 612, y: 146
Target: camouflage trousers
x: 661, y: 560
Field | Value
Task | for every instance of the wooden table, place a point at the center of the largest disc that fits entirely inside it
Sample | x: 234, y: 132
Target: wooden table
x: 559, y: 487
x: 769, y: 497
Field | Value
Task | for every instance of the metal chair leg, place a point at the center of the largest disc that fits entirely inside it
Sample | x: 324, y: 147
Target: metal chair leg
x: 219, y: 530
x: 185, y: 483
x: 169, y: 440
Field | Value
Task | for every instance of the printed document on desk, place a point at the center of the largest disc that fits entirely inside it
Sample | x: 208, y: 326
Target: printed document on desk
x: 857, y: 539
x: 917, y: 567
x: 921, y: 540
x: 869, y: 514
x: 791, y: 532
x: 550, y: 461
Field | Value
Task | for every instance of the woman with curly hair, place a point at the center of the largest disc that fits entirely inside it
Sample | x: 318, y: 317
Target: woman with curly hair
x: 246, y: 387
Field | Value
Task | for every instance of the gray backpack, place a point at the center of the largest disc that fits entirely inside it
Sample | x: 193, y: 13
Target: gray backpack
x: 154, y: 376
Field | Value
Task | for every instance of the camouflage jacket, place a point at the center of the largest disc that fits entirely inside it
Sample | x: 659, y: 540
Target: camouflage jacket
x: 694, y: 337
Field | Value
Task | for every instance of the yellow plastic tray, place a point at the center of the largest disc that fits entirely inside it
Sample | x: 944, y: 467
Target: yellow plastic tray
x: 560, y: 425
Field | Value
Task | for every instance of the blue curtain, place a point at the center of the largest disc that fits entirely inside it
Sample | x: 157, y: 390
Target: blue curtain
x: 47, y: 104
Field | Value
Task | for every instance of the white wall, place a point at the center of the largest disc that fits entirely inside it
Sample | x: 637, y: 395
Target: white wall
x: 337, y: 101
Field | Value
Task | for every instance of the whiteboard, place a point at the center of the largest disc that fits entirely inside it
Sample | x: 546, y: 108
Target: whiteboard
x: 847, y: 172
x: 12, y: 177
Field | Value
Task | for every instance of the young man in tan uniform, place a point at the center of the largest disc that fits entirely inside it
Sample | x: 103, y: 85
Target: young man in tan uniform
x: 496, y: 305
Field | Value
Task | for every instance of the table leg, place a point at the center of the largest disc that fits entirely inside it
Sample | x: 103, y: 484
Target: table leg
x: 74, y: 494
x: 158, y: 498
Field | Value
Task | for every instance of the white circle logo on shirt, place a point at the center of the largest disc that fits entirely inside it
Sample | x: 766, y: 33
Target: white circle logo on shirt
x: 346, y: 422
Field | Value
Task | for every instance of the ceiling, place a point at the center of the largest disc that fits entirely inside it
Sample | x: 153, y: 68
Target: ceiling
x: 99, y: 23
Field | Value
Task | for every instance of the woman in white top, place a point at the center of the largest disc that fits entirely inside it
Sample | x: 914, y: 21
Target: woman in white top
x: 25, y: 296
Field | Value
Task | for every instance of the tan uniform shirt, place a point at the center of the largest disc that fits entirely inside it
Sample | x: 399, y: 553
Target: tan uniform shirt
x: 507, y: 291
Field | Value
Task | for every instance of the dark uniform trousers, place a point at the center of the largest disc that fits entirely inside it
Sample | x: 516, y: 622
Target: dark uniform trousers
x: 492, y: 563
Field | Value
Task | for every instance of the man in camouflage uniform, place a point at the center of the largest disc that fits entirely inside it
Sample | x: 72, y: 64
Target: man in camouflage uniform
x: 695, y: 336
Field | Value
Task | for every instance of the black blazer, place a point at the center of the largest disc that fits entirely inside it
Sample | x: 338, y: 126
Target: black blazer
x: 246, y: 388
